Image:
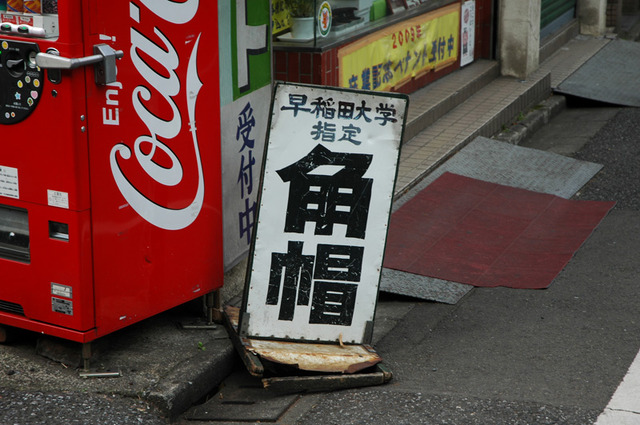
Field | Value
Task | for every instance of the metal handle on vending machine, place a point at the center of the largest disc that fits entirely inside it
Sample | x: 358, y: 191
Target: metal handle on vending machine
x: 104, y: 61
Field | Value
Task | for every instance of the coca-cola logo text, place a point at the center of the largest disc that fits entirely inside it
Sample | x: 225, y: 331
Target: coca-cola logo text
x: 167, y: 84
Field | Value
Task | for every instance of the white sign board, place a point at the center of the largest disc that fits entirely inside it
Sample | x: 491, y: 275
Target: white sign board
x: 467, y: 32
x: 243, y: 137
x: 328, y: 181
x: 245, y: 93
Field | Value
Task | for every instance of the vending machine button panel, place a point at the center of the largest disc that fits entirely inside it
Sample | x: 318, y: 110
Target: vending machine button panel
x: 41, y: 26
x: 20, y: 80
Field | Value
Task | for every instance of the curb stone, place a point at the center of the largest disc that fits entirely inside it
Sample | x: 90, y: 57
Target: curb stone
x: 535, y: 119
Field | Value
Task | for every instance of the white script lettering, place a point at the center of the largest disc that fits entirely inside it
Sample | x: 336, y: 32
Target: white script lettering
x: 167, y: 88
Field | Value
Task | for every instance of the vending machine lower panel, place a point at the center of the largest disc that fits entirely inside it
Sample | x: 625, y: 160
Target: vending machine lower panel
x: 46, y: 262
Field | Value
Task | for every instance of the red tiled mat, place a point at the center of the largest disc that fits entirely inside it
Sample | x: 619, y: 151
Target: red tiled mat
x: 484, y: 234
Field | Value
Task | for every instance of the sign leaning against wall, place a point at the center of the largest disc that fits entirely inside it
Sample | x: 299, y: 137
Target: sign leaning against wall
x: 327, y: 188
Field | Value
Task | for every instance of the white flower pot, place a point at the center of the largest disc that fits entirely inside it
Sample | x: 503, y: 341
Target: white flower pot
x: 302, y: 27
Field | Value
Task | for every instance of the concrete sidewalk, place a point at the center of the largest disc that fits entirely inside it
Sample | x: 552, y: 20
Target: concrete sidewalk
x: 162, y: 362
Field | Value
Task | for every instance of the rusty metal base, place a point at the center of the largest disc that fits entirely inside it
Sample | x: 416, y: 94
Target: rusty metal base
x: 291, y: 367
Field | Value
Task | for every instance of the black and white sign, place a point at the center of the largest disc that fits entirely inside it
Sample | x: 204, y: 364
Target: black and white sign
x: 328, y: 181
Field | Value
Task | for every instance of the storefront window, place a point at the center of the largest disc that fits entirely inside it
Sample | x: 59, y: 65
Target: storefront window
x: 378, y: 45
x: 318, y: 23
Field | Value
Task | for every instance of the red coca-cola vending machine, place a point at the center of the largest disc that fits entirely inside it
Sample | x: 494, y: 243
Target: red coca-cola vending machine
x: 110, y: 193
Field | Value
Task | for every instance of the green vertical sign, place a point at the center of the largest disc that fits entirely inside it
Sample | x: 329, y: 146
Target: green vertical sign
x: 251, y: 46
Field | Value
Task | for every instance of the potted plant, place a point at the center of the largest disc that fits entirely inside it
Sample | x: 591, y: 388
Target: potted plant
x: 302, y: 18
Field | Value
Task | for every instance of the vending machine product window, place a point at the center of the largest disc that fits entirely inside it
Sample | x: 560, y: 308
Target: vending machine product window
x: 14, y: 234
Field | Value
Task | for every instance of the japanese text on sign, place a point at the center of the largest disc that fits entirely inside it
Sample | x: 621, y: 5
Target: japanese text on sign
x: 391, y: 56
x: 326, y: 195
x: 245, y: 95
x: 245, y: 126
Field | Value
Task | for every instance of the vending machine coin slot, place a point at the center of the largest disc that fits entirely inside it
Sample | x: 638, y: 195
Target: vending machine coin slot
x: 16, y: 65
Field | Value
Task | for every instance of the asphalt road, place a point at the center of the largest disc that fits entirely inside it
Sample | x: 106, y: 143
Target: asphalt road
x: 31, y: 407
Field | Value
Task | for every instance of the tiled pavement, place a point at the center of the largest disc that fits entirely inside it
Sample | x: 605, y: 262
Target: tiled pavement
x: 479, y: 103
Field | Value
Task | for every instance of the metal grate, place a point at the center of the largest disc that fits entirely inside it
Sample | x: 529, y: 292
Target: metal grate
x: 11, y: 308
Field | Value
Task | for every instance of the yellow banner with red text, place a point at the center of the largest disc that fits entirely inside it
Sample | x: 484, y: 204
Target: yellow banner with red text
x: 392, y: 56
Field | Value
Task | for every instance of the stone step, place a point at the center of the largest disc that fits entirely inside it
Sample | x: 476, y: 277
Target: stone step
x: 484, y: 113
x: 430, y: 103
